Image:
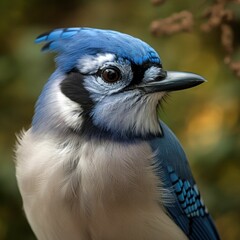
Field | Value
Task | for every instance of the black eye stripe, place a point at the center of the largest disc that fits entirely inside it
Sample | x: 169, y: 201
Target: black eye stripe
x: 139, y: 71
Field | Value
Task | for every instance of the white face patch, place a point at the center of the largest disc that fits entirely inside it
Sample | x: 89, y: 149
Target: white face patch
x: 56, y: 111
x: 151, y: 73
x: 129, y: 112
x: 90, y: 64
x: 69, y: 111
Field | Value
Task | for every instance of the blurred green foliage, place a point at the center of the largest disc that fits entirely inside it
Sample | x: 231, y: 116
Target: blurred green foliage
x: 206, y: 119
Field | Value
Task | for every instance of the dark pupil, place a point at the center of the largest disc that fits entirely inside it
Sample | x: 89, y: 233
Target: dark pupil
x: 110, y: 75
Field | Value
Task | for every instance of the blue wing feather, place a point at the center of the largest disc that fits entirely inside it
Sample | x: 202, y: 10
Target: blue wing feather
x: 187, y: 210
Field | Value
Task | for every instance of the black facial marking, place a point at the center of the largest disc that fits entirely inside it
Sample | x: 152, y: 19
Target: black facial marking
x: 138, y: 74
x: 73, y: 88
x: 139, y: 71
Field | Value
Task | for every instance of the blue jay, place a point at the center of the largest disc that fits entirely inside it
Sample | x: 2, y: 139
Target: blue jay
x: 97, y: 163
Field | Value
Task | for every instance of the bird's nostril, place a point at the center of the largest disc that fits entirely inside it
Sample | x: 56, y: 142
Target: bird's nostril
x: 159, y: 77
x: 162, y: 75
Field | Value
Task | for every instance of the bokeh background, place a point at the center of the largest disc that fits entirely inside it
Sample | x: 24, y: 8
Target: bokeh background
x: 206, y: 118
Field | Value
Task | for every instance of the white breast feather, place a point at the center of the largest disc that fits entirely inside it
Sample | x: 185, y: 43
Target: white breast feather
x: 91, y: 191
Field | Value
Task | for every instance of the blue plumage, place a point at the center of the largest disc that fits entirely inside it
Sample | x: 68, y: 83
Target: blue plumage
x: 74, y: 43
x: 101, y: 149
x: 188, y: 210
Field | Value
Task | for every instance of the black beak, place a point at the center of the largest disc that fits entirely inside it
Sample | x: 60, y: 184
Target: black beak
x: 172, y: 81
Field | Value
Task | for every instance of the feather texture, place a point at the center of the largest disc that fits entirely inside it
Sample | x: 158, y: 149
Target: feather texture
x: 187, y: 210
x: 96, y: 163
x: 75, y: 189
x: 74, y: 43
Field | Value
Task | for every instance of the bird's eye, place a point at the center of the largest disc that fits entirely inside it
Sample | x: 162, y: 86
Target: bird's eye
x: 110, y: 74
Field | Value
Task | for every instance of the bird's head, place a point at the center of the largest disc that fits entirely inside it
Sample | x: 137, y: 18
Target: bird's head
x: 107, y: 85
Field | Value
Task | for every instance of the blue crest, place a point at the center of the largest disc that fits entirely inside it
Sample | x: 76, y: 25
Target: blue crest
x: 73, y: 43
